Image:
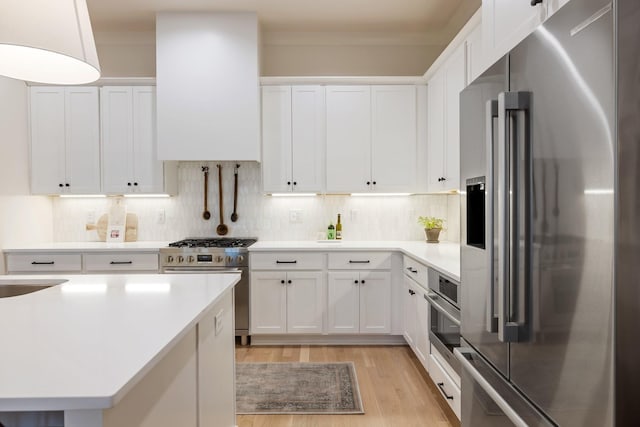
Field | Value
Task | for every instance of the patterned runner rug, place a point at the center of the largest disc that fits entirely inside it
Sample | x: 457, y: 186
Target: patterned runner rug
x: 297, y: 388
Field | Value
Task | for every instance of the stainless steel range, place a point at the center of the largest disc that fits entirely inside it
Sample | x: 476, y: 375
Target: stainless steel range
x: 214, y: 255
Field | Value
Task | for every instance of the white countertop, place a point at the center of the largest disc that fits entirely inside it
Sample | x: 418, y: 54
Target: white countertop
x: 443, y: 256
x: 88, y: 247
x: 85, y: 343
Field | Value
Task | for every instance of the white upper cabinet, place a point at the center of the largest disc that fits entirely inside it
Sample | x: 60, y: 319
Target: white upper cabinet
x: 506, y: 22
x: 393, y: 138
x: 476, y: 63
x: 65, y: 140
x: 293, y: 138
x: 443, y: 152
x: 348, y: 139
x: 207, y: 82
x: 371, y: 138
x: 129, y: 158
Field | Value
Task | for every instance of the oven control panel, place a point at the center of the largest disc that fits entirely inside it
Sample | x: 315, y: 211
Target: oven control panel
x: 173, y: 257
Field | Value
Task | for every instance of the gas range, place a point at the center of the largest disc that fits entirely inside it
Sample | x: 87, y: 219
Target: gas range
x: 206, y: 253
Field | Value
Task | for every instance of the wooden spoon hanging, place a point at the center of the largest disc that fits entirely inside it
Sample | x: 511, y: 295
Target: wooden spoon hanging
x: 234, y: 215
x: 206, y: 214
x: 222, y: 228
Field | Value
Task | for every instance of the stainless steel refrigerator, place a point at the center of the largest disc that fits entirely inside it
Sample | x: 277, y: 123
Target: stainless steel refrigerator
x: 550, y: 214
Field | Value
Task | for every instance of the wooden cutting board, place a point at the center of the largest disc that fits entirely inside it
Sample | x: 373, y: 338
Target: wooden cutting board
x: 131, y: 227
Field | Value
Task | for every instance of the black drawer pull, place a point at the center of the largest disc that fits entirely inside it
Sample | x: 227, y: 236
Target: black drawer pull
x: 286, y: 262
x: 359, y: 262
x: 120, y: 262
x: 441, y: 387
x: 43, y: 262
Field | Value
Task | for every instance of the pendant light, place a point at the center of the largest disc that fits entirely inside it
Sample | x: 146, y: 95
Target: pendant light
x: 47, y: 41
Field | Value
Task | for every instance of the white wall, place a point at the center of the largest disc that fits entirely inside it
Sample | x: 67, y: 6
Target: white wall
x: 133, y: 54
x: 377, y: 218
x: 23, y: 218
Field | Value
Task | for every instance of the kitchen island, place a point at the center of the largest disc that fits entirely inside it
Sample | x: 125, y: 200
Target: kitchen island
x: 118, y: 350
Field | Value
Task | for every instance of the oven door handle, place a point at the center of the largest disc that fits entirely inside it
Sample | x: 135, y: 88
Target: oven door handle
x: 431, y: 297
x: 188, y: 270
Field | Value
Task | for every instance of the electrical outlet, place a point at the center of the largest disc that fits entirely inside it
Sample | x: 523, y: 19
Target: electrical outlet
x: 162, y: 216
x: 91, y: 216
x: 295, y: 216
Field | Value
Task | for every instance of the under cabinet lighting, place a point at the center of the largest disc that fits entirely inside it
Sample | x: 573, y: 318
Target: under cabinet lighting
x: 380, y: 194
x: 81, y: 196
x: 292, y: 194
x: 156, y: 196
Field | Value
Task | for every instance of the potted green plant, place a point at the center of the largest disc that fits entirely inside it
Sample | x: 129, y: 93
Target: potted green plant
x: 432, y: 227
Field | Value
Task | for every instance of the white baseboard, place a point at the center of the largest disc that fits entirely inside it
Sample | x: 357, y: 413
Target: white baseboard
x: 327, y: 340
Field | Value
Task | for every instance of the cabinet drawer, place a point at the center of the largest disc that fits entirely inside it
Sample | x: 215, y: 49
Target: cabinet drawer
x: 446, y: 385
x: 360, y: 261
x: 287, y: 261
x: 43, y: 263
x: 121, y: 262
x: 416, y: 271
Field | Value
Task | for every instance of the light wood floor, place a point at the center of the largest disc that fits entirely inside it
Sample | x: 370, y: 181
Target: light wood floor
x: 395, y: 389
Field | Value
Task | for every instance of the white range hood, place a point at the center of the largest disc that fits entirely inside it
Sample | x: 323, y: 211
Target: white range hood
x: 207, y: 86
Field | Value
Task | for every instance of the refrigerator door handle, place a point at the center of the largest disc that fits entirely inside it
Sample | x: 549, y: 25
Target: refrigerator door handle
x: 491, y: 113
x: 509, y: 177
x: 464, y: 354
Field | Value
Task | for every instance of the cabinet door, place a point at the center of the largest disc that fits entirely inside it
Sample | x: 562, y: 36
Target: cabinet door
x: 276, y: 139
x: 343, y: 302
x: 475, y: 54
x: 375, y: 303
x: 148, y: 171
x: 348, y: 139
x: 506, y: 22
x: 82, y: 124
x: 47, y: 139
x: 409, y: 312
x: 308, y: 142
x: 393, y: 138
x: 422, y: 327
x: 268, y: 302
x: 305, y: 302
x: 435, y: 131
x: 117, y: 139
x: 455, y: 81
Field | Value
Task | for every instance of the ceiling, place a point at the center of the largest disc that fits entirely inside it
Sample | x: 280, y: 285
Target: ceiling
x: 292, y: 15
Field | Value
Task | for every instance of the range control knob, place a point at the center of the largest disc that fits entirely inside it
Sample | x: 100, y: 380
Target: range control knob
x: 180, y: 259
x: 169, y: 259
x: 229, y: 259
x: 219, y: 258
x: 191, y: 259
x: 240, y: 259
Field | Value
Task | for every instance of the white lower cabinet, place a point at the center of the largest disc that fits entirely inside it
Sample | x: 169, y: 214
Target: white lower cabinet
x: 446, y: 385
x: 415, y: 311
x: 287, y: 302
x: 359, y: 302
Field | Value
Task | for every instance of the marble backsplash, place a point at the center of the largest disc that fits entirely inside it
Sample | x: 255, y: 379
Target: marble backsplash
x: 267, y: 217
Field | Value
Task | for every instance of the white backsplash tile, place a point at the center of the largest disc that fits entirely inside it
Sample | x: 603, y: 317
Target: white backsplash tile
x: 363, y: 218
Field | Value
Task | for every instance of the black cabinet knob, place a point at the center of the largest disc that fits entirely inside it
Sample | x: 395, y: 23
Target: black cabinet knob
x: 135, y: 184
x: 362, y: 281
x: 129, y: 184
x: 355, y: 281
x: 60, y: 185
x: 368, y: 182
x: 288, y: 182
x: 289, y: 281
x: 67, y: 184
x: 282, y: 281
x: 535, y: 2
x: 374, y: 183
x: 295, y: 183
